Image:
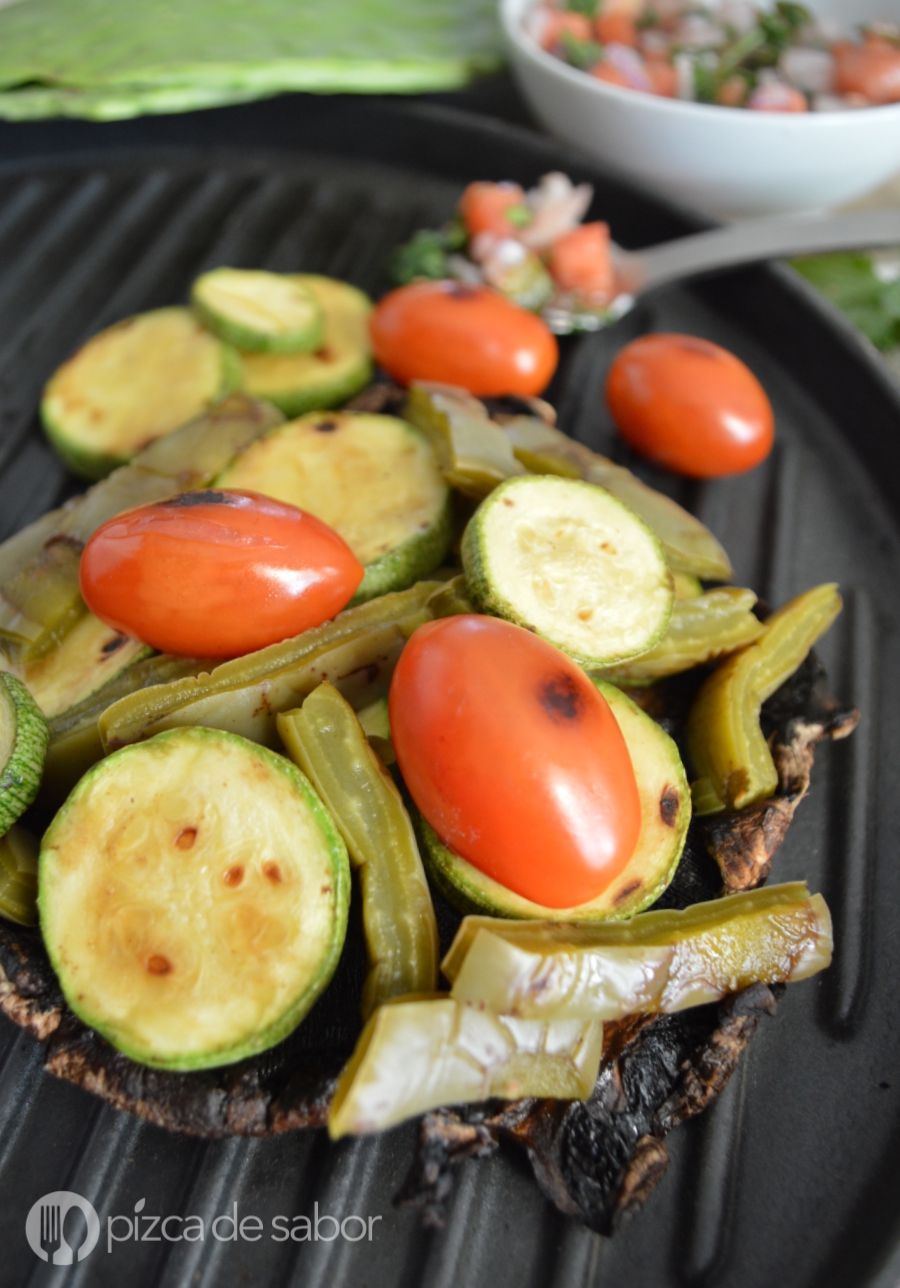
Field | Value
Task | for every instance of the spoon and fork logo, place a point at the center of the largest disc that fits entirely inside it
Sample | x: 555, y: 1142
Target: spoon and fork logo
x: 45, y: 1228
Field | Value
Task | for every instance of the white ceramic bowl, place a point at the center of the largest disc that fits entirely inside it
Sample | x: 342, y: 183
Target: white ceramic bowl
x: 723, y: 161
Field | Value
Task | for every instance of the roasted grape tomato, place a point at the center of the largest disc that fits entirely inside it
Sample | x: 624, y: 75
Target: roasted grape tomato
x: 514, y: 759
x: 690, y: 405
x: 493, y: 208
x: 462, y: 335
x: 216, y: 574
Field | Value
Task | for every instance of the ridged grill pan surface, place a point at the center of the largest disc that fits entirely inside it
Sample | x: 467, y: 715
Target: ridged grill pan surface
x: 790, y: 1179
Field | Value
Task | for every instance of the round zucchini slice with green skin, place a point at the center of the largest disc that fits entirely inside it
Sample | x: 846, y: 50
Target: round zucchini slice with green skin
x: 23, y: 745
x: 258, y: 311
x: 374, y: 479
x: 131, y: 384
x: 340, y: 367
x: 665, y: 814
x: 568, y: 561
x: 193, y: 897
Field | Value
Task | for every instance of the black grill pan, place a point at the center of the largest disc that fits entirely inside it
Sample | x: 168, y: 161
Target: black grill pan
x: 790, y: 1179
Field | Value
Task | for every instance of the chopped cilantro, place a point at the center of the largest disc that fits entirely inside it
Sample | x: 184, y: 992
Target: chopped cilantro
x: 580, y: 53
x: 425, y: 255
x: 519, y: 216
x: 849, y: 280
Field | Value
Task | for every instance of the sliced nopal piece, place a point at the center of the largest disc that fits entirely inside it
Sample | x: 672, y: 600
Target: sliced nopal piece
x: 193, y: 897
x: 328, y: 743
x: 744, y: 842
x: 659, y: 961
x: 703, y: 627
x: 75, y: 742
x: 665, y: 802
x: 259, y: 311
x: 18, y: 876
x: 132, y: 383
x: 571, y: 563
x: 356, y: 652
x: 418, y: 1053
x: 473, y: 453
x: 374, y: 479
x: 730, y: 756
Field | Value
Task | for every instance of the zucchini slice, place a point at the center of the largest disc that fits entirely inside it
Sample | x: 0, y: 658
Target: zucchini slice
x: 91, y: 654
x: 131, y: 384
x: 262, y: 312
x: 567, y: 560
x: 193, y: 898
x: 665, y: 815
x: 23, y: 745
x: 341, y: 366
x: 374, y: 479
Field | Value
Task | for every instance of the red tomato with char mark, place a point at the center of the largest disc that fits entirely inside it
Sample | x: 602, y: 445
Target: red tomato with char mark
x: 462, y: 335
x: 690, y: 405
x: 216, y: 574
x: 514, y: 759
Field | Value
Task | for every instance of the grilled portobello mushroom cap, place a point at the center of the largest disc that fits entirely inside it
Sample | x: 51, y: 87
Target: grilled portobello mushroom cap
x: 597, y: 1160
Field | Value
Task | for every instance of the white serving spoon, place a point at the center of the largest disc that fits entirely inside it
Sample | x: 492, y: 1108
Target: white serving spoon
x: 748, y: 242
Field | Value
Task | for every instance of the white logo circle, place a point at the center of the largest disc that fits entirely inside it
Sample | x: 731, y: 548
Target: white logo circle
x: 45, y: 1228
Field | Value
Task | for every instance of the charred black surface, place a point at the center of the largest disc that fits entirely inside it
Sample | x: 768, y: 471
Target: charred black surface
x: 447, y: 1137
x: 284, y: 1089
x: 29, y: 992
x: 274, y: 1092
x: 696, y: 879
x: 668, y: 806
x: 190, y: 499
x: 804, y: 695
x: 561, y: 698
x: 508, y: 405
x: 382, y: 396
x: 113, y: 645
x: 587, y: 1152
